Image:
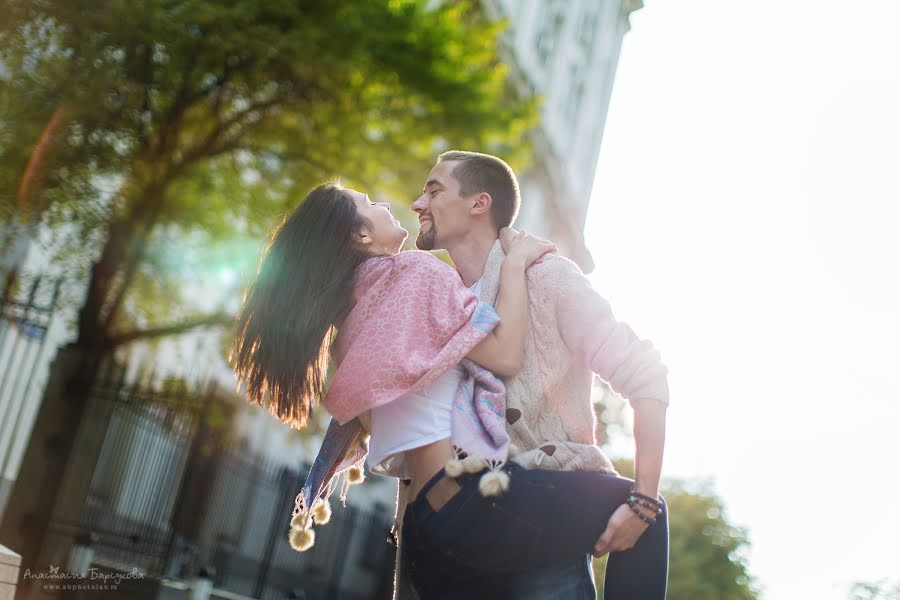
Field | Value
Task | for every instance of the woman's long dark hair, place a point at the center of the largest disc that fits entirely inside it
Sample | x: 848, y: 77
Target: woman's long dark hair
x: 302, y: 291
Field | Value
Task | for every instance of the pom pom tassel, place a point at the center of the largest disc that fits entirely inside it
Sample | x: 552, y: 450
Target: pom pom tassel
x: 321, y: 512
x: 300, y: 521
x: 301, y: 539
x: 454, y: 468
x: 355, y: 475
x: 474, y: 464
x: 493, y: 483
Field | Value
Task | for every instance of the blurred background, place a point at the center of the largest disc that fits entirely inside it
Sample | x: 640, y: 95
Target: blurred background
x: 741, y: 214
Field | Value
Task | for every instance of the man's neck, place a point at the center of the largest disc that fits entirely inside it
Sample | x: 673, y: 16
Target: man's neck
x: 470, y: 254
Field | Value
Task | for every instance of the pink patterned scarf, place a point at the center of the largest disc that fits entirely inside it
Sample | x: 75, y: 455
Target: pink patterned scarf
x: 412, y: 320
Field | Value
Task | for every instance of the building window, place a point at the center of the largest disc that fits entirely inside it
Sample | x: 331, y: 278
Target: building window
x: 587, y: 32
x: 549, y: 31
x: 576, y: 94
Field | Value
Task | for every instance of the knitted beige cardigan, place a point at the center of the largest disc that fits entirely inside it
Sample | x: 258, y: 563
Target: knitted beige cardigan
x: 572, y: 335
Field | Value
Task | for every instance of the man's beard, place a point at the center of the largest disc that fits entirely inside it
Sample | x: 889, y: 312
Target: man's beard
x: 425, y: 240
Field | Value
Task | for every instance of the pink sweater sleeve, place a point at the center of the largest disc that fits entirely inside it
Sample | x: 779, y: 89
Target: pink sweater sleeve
x: 632, y: 367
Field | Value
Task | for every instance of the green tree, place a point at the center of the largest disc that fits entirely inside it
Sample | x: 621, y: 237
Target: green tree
x: 706, y: 553
x: 142, y: 130
x: 880, y: 590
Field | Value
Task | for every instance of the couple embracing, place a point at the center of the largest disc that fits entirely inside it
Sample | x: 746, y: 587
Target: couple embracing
x: 470, y: 385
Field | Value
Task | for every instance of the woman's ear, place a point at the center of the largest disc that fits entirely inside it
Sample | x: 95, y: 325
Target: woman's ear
x: 363, y: 237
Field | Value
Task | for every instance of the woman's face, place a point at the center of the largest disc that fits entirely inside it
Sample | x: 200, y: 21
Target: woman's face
x: 383, y: 233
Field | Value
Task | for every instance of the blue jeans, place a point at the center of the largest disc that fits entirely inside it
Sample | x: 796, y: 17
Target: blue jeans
x: 531, y: 540
x: 573, y: 581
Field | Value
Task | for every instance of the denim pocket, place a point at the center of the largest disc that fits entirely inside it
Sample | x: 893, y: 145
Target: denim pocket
x: 486, y: 536
x: 423, y: 506
x: 424, y: 522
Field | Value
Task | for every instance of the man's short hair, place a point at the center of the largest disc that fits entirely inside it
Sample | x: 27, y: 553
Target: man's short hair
x: 477, y: 172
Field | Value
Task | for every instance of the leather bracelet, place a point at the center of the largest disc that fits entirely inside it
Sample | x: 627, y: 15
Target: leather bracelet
x: 649, y: 505
x: 641, y: 515
x: 655, y: 501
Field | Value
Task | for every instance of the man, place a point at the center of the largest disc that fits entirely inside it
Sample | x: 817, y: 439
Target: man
x: 468, y: 197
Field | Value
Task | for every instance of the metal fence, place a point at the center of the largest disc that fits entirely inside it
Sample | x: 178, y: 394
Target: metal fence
x: 127, y: 514
x: 170, y: 495
x: 26, y: 309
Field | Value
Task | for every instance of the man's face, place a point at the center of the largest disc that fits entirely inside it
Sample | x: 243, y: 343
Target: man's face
x: 443, y: 214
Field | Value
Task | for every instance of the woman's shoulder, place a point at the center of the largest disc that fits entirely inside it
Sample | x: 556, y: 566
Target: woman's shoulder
x: 405, y: 264
x: 416, y: 257
x: 406, y: 257
x: 421, y: 262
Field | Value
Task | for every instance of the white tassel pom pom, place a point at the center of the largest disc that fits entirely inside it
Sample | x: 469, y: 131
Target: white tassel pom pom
x: 454, y: 467
x: 297, y: 520
x: 513, y: 450
x: 321, y: 512
x: 473, y: 464
x: 493, y: 482
x: 355, y: 475
x: 301, y: 539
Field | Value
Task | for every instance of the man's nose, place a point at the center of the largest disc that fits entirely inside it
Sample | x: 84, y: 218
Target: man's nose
x: 420, y: 204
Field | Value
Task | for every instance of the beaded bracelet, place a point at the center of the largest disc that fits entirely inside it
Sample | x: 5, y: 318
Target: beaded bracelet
x: 641, y: 515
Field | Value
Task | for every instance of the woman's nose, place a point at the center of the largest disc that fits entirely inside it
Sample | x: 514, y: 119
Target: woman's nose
x: 387, y: 205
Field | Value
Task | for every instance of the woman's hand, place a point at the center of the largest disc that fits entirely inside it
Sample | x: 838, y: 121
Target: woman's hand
x: 622, y: 532
x: 519, y: 245
x: 506, y: 235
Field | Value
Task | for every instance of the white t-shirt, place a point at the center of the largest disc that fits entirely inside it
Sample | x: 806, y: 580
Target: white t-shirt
x: 413, y: 420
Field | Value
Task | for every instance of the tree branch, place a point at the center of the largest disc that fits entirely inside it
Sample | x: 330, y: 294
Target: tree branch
x: 218, y: 319
x: 184, y: 99
x: 207, y: 147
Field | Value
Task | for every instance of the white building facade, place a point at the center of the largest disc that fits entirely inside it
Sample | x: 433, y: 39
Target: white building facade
x: 565, y: 51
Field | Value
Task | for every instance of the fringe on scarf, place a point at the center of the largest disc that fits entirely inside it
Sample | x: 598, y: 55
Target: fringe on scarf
x: 301, y: 536
x: 492, y: 483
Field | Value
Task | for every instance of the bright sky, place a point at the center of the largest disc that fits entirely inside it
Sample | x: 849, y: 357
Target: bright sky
x: 745, y: 218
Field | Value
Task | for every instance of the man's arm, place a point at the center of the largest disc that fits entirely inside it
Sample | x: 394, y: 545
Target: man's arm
x: 625, y: 527
x: 649, y: 440
x: 632, y: 368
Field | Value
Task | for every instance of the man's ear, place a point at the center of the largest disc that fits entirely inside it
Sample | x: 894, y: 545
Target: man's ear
x: 481, y: 204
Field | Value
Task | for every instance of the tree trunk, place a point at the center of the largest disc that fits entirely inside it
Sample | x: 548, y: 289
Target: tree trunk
x: 130, y: 266
x: 90, y: 327
x: 93, y: 320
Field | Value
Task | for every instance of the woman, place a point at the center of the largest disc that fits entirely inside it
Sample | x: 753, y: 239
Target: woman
x: 414, y: 350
